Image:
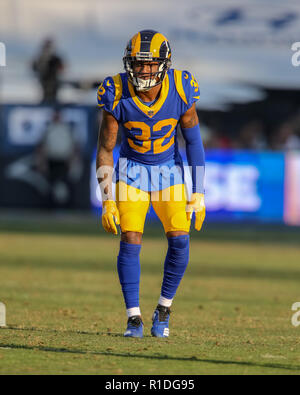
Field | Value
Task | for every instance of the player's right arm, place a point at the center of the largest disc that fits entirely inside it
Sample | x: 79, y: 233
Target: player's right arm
x: 106, y: 143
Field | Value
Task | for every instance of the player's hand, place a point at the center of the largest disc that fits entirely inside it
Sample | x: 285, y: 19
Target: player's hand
x: 110, y: 216
x: 196, y: 204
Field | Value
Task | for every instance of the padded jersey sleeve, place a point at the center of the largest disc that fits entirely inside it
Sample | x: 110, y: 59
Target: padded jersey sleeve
x: 109, y: 94
x: 190, y: 87
x: 187, y: 88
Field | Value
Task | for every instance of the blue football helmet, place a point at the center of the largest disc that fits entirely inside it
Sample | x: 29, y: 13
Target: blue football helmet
x: 147, y: 46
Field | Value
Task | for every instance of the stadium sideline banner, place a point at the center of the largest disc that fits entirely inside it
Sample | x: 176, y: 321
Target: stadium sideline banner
x: 241, y: 186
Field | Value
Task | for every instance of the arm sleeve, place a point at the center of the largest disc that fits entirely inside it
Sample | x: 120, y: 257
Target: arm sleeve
x: 195, y: 156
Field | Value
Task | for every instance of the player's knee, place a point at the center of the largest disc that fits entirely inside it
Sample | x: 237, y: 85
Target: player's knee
x: 179, y: 244
x: 176, y: 233
x: 132, y: 237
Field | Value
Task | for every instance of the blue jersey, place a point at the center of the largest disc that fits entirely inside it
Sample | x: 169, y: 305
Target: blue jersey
x: 149, y: 132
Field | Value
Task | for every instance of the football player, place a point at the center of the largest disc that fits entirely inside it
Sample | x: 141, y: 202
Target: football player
x: 147, y: 103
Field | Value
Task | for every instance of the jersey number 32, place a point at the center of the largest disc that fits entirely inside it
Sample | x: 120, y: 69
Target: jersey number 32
x: 147, y: 137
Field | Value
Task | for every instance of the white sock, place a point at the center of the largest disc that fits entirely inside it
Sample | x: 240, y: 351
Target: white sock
x: 133, y: 311
x: 165, y: 302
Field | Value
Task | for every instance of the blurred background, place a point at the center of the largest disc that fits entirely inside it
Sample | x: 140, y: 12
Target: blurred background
x: 58, y: 52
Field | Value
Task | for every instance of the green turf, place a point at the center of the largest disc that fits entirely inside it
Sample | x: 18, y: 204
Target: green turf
x: 65, y: 313
x: 89, y: 224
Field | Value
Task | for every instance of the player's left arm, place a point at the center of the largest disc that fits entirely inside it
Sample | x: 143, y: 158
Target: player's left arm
x: 190, y: 128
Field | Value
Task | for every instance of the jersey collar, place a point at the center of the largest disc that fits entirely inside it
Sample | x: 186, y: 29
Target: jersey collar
x: 151, y: 111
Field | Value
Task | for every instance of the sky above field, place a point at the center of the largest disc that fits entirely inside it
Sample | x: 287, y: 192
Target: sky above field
x: 226, y: 44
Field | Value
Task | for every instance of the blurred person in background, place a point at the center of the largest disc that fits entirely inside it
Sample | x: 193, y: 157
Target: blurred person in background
x: 287, y: 136
x: 48, y: 67
x: 216, y: 139
x: 59, y: 158
x: 252, y: 136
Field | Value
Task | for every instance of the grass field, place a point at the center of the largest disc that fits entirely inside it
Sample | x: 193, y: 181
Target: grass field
x: 65, y: 314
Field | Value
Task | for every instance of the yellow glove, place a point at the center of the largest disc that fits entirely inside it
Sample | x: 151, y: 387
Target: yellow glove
x: 110, y: 216
x: 196, y: 204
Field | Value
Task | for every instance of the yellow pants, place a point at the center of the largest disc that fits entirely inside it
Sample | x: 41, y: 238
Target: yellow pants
x: 169, y: 204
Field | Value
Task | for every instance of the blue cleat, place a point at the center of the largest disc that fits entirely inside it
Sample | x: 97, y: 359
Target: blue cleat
x: 135, y: 327
x: 160, y: 319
